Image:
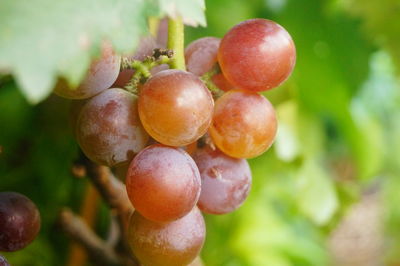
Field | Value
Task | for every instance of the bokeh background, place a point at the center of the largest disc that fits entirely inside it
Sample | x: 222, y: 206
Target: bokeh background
x: 326, y: 193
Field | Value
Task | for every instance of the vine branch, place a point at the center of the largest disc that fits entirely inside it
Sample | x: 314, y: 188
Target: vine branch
x: 78, y: 230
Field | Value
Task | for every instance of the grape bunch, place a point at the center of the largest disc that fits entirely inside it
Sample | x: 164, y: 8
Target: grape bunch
x: 19, y: 222
x: 184, y: 152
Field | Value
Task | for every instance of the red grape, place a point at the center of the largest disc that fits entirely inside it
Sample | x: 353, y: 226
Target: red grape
x: 225, y: 181
x: 201, y: 55
x: 167, y: 244
x: 221, y: 82
x: 19, y: 221
x: 108, y: 128
x: 163, y: 183
x: 3, y: 261
x: 101, y: 75
x: 244, y: 124
x: 175, y: 107
x: 257, y: 55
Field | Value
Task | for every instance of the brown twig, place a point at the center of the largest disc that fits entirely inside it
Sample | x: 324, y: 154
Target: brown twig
x: 98, y: 250
x: 77, y: 255
x: 110, y: 188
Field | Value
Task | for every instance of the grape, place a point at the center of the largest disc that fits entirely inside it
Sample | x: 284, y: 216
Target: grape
x: 244, y: 124
x: 167, y: 244
x: 3, y: 261
x: 101, y: 75
x: 108, y: 128
x: 145, y: 48
x: 175, y: 107
x: 201, y: 55
x: 257, y: 55
x: 19, y: 221
x: 225, y: 181
x: 163, y: 183
x: 221, y: 82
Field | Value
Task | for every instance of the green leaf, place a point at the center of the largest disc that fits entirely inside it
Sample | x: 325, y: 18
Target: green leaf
x: 191, y: 11
x: 43, y: 39
x: 317, y: 197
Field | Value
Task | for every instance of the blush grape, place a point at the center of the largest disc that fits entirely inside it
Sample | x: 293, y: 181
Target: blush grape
x: 244, y: 124
x: 201, y: 55
x: 225, y: 181
x: 101, y: 75
x: 163, y: 183
x: 257, y: 55
x: 167, y: 244
x: 109, y: 129
x: 175, y: 107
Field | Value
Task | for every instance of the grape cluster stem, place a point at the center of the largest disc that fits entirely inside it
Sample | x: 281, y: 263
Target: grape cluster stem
x: 142, y: 68
x: 114, y: 194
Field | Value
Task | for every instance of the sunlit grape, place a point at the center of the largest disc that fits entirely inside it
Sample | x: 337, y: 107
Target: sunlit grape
x: 175, y: 107
x: 167, y: 244
x: 163, y: 183
x: 244, y: 124
x: 257, y: 55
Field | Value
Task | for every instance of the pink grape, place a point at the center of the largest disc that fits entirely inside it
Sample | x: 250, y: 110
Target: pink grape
x: 225, y: 181
x: 167, y: 244
x: 109, y: 129
x: 101, y: 75
x: 257, y: 55
x: 175, y: 107
x: 244, y: 124
x: 163, y: 183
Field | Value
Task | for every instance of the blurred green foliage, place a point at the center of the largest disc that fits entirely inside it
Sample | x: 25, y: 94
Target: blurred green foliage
x: 339, y: 128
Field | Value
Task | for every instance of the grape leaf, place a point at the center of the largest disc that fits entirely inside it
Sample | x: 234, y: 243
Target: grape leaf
x: 191, y: 11
x: 41, y: 40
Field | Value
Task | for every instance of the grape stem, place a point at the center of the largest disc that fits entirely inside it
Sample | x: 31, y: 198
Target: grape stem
x: 176, y: 43
x: 142, y: 68
x: 114, y: 194
x: 207, y: 79
x: 97, y: 249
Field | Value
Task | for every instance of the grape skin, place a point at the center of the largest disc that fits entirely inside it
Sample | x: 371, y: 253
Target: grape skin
x: 101, y: 75
x: 257, y: 55
x: 108, y: 128
x: 201, y: 55
x: 19, y: 221
x: 167, y: 244
x: 175, y: 107
x: 244, y: 124
x: 221, y: 82
x: 163, y: 183
x: 225, y: 181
